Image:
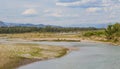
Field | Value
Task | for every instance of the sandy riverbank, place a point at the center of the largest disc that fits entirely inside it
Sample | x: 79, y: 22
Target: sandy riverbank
x: 108, y: 42
x: 15, y: 55
x: 56, y: 39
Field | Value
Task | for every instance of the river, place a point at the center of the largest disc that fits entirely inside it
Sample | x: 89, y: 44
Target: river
x: 92, y: 55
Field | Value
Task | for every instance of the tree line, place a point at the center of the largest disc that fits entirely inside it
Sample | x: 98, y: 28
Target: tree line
x: 42, y: 29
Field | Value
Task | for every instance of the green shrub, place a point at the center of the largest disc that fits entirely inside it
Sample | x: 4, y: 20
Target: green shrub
x: 93, y: 33
x: 112, y: 31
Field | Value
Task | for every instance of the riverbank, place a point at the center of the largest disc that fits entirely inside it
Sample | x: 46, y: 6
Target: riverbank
x: 56, y: 39
x: 18, y: 54
x: 100, y: 39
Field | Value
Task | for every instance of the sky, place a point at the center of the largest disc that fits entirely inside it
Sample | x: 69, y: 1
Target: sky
x: 60, y: 12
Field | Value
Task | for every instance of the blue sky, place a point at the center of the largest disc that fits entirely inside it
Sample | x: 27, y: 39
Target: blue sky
x: 60, y: 12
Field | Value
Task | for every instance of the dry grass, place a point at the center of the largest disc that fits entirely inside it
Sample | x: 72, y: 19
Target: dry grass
x: 14, y: 55
x: 45, y: 36
x: 39, y: 35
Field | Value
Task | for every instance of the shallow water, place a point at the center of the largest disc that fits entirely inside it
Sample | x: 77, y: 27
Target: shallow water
x: 90, y: 56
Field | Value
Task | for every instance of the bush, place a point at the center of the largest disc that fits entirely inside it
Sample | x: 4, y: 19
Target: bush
x: 93, y: 33
x: 112, y: 31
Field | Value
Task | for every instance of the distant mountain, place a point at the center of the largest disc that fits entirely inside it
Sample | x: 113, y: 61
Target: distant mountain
x: 4, y: 24
x: 24, y: 25
x: 90, y: 25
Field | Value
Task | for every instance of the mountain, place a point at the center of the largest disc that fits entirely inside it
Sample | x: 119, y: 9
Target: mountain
x: 4, y: 24
x: 90, y: 25
x: 24, y: 25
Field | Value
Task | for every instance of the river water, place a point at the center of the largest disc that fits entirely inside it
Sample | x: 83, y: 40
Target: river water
x: 92, y: 55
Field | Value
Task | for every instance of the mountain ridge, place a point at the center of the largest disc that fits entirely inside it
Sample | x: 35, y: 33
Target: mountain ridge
x: 6, y: 24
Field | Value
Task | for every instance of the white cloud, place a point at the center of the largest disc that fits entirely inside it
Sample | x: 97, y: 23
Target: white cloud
x: 58, y: 13
x: 106, y: 5
x: 67, y: 4
x: 110, y: 5
x: 93, y: 9
x: 53, y: 12
x: 47, y: 11
x: 62, y: 15
x: 72, y: 11
x: 76, y: 3
x: 30, y: 12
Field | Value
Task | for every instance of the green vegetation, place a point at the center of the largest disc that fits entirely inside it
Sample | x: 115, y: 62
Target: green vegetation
x: 14, y: 55
x: 11, y: 30
x: 40, y: 35
x: 111, y: 33
x: 8, y: 30
x: 93, y: 33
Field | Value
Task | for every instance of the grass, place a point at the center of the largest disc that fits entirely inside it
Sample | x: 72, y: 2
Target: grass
x: 39, y: 35
x: 100, y: 36
x: 69, y: 37
x: 15, y: 55
x: 36, y: 36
